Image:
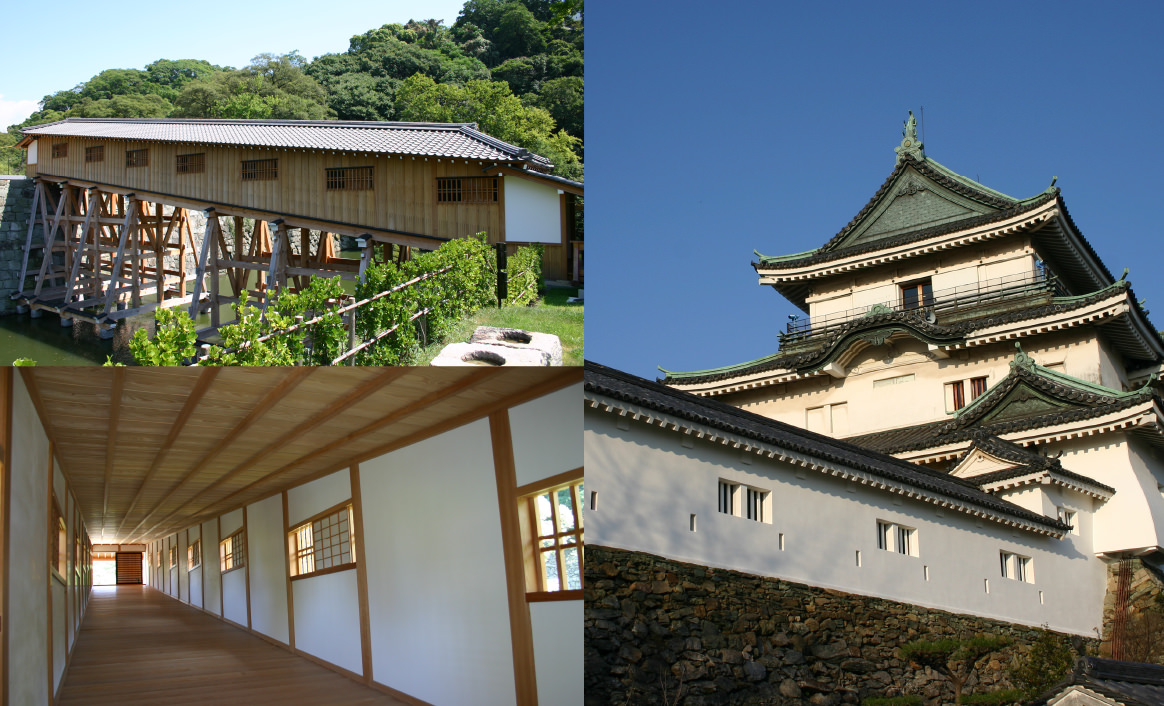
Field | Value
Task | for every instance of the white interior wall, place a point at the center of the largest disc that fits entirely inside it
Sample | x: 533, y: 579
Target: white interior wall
x: 327, y: 618
x: 211, y: 600
x: 60, y: 640
x: 558, y: 640
x: 545, y: 435
x: 26, y: 624
x: 194, y: 576
x: 441, y: 601
x: 234, y: 596
x: 266, y: 545
x: 533, y: 213
x: 312, y: 498
x: 183, y: 566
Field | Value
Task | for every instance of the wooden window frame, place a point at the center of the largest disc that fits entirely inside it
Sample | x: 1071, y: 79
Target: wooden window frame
x: 922, y: 291
x: 259, y: 169
x: 316, y: 550
x: 194, y: 163
x: 194, y: 555
x: 173, y: 556
x: 977, y: 387
x: 534, y: 542
x: 1016, y: 567
x: 727, y: 496
x: 60, y: 149
x: 237, y: 554
x: 137, y: 158
x: 349, y: 178
x: 58, y: 543
x: 95, y: 153
x: 897, y: 538
x: 455, y: 190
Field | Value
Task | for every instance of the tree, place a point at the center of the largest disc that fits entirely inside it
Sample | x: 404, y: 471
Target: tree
x: 1046, y: 664
x: 955, y: 659
x: 272, y: 86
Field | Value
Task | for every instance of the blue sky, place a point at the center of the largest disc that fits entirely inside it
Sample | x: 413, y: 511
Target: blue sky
x: 134, y: 33
x: 713, y: 130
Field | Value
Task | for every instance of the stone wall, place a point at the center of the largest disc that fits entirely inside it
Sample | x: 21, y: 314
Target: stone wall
x: 15, y: 207
x: 1143, y: 630
x: 667, y: 632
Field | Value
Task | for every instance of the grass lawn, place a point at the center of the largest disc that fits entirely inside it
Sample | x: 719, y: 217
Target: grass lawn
x: 550, y: 315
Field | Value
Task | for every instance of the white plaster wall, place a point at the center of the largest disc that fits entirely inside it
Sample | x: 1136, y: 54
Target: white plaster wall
x: 1129, y: 520
x: 31, y: 158
x: 211, y: 600
x: 60, y: 601
x: 27, y: 621
x: 546, y: 433
x: 183, y: 566
x: 558, y: 640
x: 327, y: 619
x: 231, y: 522
x: 234, y: 596
x: 532, y: 212
x: 648, y: 486
x: 436, y: 581
x: 266, y: 544
x: 310, y: 498
x: 172, y: 572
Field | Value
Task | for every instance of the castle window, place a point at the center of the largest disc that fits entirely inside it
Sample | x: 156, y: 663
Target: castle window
x: 349, y: 178
x: 832, y: 419
x: 956, y: 392
x: 1068, y: 517
x: 95, y: 153
x: 744, y: 501
x: 260, y: 169
x: 727, y: 497
x: 917, y: 294
x: 754, y: 504
x: 137, y: 158
x: 1016, y: 566
x: 194, y: 555
x: 897, y: 538
x: 323, y: 542
x: 232, y: 552
x: 60, y: 149
x: 173, y: 557
x: 467, y: 190
x: 190, y: 163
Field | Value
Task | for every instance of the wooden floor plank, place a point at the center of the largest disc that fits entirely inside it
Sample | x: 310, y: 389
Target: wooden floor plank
x: 139, y: 646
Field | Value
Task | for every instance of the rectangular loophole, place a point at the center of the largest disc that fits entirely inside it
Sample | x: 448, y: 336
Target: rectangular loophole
x: 593, y: 499
x: 781, y: 541
x: 858, y: 557
x: 693, y: 522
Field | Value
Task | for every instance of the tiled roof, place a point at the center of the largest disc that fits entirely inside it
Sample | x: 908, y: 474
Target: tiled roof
x: 1128, y: 683
x: 912, y: 319
x: 453, y: 140
x: 1081, y: 401
x: 1026, y: 462
x: 628, y: 388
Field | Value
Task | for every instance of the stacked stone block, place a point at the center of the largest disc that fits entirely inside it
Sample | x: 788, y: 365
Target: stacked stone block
x: 662, y: 631
x: 15, y: 209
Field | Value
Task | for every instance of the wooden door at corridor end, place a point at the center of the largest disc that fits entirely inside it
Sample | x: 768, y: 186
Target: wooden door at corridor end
x: 128, y: 567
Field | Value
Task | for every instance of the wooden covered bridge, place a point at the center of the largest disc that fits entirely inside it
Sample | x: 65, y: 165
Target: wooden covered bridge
x: 138, y: 214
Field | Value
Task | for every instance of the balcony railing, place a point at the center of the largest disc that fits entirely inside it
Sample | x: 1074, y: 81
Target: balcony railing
x: 943, y: 306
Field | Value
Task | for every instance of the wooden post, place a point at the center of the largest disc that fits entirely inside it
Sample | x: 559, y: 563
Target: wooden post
x: 37, y: 200
x: 94, y: 201
x: 49, y: 240
x: 273, y: 267
x: 214, y: 255
x: 207, y: 236
x: 119, y: 260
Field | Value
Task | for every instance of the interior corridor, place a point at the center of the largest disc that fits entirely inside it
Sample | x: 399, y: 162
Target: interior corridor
x: 138, y: 646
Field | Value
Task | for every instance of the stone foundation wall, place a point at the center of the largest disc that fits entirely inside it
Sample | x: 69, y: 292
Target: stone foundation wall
x: 1143, y: 639
x: 666, y: 632
x: 15, y: 208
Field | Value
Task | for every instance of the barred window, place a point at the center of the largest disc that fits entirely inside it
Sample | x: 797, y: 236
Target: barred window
x: 260, y: 169
x: 232, y: 552
x: 95, y: 153
x: 61, y: 149
x: 191, y: 163
x: 349, y: 178
x: 557, y: 538
x: 467, y: 190
x: 194, y: 555
x: 137, y: 158
x: 323, y: 542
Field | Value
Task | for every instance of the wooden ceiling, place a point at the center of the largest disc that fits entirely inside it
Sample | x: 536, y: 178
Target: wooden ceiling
x: 150, y: 451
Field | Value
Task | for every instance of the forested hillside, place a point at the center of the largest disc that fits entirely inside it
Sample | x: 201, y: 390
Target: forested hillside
x: 514, y: 67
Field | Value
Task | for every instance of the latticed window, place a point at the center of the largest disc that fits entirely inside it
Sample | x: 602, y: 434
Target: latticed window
x: 232, y: 552
x: 194, y: 555
x: 323, y: 542
x: 349, y: 178
x: 95, y: 153
x: 59, y: 542
x: 137, y: 158
x: 467, y: 190
x: 173, y: 557
x: 557, y: 520
x: 191, y: 163
x: 61, y: 149
x: 260, y: 169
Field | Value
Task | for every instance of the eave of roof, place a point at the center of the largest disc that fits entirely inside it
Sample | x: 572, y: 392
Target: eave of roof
x: 930, y: 485
x: 443, y: 140
x: 567, y: 185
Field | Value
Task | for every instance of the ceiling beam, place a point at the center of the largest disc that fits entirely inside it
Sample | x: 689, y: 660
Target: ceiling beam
x: 289, y: 382
x: 111, y: 444
x: 195, y: 396
x: 332, y: 410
